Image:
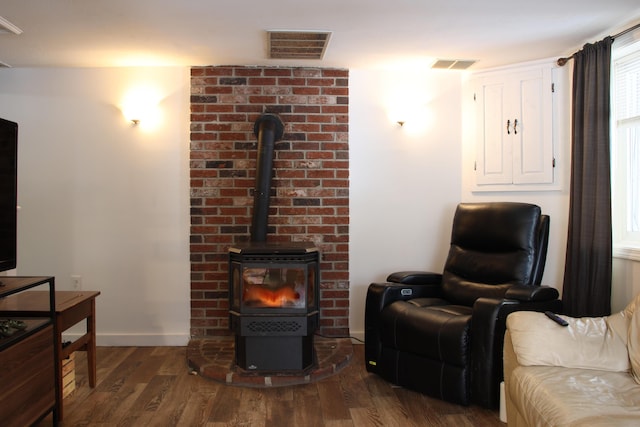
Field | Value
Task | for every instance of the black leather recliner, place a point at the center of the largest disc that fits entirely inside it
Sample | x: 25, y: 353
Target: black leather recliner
x: 442, y: 334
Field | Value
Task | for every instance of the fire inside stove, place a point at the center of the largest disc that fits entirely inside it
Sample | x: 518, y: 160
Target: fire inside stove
x: 268, y: 287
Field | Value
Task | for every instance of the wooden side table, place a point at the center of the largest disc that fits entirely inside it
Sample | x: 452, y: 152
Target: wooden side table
x: 72, y: 307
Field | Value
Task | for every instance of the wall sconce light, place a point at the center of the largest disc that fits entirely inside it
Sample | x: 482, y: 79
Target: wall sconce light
x: 140, y: 106
x: 401, y: 112
x: 411, y: 119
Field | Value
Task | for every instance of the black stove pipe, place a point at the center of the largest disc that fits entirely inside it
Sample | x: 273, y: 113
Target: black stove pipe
x: 269, y: 129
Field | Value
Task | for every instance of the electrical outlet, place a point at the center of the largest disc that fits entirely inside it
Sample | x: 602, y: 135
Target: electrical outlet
x: 76, y: 281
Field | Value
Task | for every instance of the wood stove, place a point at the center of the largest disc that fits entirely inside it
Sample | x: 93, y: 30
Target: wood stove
x: 273, y: 302
x: 273, y: 287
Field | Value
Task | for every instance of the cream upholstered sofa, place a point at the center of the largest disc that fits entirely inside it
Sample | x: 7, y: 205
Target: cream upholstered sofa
x: 584, y: 374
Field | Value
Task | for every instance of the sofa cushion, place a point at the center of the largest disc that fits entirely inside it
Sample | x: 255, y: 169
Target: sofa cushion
x: 588, y: 343
x: 556, y: 396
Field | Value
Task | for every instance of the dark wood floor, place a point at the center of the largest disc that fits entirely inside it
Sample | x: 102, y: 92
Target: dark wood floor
x: 152, y: 386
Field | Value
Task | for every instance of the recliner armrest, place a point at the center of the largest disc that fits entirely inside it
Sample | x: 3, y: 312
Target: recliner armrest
x: 488, y: 327
x: 415, y: 277
x: 379, y: 295
x: 532, y: 293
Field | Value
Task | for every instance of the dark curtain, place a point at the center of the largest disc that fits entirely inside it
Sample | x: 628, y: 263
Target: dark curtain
x: 587, y: 276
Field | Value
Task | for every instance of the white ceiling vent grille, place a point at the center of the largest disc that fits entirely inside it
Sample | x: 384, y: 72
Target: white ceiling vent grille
x: 453, y: 64
x: 298, y: 44
x: 7, y: 27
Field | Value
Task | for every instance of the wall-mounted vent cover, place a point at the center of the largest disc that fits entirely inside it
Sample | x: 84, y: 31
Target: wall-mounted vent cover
x: 453, y: 64
x: 286, y: 44
x: 7, y: 27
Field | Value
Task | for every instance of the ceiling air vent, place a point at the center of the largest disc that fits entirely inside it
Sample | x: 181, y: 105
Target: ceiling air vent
x: 7, y: 27
x: 298, y: 44
x: 453, y: 64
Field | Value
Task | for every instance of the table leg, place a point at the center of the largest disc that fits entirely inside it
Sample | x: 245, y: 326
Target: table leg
x: 91, y: 345
x: 59, y: 404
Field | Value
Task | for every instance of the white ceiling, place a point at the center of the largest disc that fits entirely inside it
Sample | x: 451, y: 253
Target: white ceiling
x: 94, y: 33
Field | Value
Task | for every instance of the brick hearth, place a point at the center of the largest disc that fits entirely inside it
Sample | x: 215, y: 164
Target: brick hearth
x: 212, y: 358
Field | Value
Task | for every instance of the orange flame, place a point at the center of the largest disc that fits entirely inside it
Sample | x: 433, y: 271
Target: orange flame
x: 270, y: 297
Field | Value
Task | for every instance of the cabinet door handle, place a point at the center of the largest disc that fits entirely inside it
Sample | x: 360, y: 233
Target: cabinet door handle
x: 508, y: 125
x: 515, y: 126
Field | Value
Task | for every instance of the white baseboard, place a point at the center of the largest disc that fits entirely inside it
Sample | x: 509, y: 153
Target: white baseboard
x: 135, y: 340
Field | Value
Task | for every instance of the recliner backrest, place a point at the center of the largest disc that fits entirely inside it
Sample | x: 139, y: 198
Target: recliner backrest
x: 493, y: 247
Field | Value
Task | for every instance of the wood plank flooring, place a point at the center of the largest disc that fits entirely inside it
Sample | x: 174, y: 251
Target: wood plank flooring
x: 152, y: 386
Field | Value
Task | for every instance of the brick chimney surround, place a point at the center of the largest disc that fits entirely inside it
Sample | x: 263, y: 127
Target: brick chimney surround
x: 310, y: 184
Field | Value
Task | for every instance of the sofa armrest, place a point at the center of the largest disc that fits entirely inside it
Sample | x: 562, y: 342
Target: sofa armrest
x: 415, y: 277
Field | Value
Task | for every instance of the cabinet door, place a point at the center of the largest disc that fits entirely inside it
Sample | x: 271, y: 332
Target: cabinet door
x: 532, y: 131
x: 514, y: 133
x: 27, y: 379
x: 493, y: 156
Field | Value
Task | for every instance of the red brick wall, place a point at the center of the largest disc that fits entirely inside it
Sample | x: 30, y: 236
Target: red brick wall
x: 310, y: 198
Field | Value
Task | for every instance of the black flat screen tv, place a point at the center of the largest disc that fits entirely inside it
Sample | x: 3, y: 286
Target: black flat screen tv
x: 8, y: 193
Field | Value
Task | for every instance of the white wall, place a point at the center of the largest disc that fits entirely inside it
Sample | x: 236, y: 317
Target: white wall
x: 404, y: 181
x: 103, y: 199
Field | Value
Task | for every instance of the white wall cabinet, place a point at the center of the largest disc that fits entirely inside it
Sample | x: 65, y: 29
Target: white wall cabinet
x: 514, y: 129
